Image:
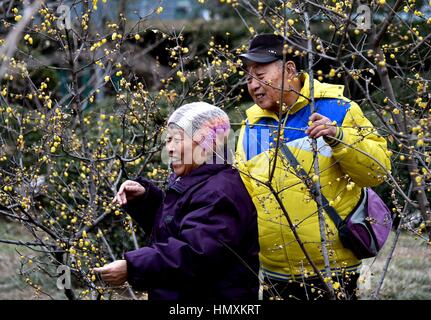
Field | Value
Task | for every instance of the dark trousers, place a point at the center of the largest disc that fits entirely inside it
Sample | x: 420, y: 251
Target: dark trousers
x: 310, y: 288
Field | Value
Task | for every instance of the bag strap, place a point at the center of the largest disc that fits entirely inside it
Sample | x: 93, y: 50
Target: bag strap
x: 335, y: 217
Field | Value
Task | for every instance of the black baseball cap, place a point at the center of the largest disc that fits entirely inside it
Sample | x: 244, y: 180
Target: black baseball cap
x: 268, y: 47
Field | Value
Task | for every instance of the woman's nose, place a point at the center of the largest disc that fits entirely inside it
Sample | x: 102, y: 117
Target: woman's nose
x: 170, y: 148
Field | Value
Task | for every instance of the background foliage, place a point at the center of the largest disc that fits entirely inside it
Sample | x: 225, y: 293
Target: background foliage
x: 86, y: 86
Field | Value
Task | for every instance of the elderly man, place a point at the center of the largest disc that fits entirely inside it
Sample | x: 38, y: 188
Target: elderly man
x: 204, y: 243
x: 348, y: 146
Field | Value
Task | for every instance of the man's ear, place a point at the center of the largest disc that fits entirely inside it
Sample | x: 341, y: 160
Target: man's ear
x: 290, y: 69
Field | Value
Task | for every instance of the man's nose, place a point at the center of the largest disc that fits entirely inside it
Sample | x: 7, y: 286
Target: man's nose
x: 253, y: 84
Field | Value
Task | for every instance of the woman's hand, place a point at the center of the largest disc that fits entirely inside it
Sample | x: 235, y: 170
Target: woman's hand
x: 114, y: 273
x: 129, y: 190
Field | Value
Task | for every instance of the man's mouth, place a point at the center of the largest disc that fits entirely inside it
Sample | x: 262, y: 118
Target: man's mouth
x: 259, y: 96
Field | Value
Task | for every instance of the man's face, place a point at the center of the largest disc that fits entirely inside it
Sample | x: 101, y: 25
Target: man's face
x: 264, y: 84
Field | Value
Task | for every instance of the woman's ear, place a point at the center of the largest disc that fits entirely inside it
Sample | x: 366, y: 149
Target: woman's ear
x: 199, y: 154
x: 199, y: 138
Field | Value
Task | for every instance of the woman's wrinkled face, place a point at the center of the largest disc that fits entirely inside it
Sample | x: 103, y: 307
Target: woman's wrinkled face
x: 184, y: 153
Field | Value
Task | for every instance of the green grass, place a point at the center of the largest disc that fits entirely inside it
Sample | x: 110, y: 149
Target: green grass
x: 408, y: 276
x: 12, y: 284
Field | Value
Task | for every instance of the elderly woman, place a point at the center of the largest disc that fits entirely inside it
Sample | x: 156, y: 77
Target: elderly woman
x: 204, y: 243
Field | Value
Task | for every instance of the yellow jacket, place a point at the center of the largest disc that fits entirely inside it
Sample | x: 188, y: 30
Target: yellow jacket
x: 343, y: 172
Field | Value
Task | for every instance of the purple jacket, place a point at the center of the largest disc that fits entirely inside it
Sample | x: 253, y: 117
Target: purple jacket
x: 204, y: 242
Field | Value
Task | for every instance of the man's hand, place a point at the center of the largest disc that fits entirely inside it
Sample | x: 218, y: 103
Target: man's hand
x: 129, y: 190
x: 321, y: 126
x: 115, y: 273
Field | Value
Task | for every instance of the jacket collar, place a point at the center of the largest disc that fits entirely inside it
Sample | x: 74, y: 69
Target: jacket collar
x: 196, y: 176
x: 321, y: 90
